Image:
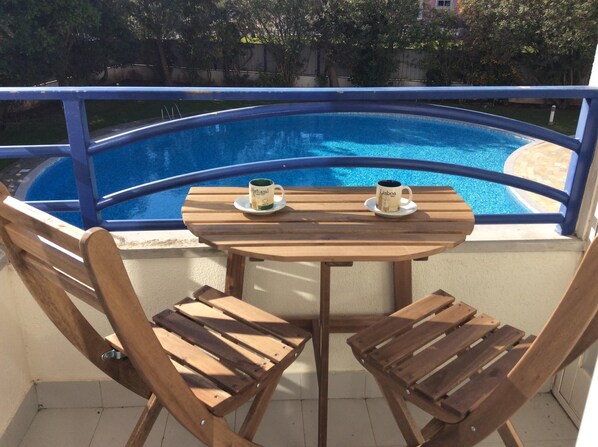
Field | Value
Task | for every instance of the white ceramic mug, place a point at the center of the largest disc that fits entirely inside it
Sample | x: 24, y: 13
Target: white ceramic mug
x: 389, y: 194
x: 261, y: 193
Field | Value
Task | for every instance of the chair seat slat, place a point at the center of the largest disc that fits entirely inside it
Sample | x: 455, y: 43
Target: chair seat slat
x: 466, y: 398
x: 232, y: 354
x: 197, y: 359
x: 424, y: 362
x: 234, y: 330
x: 421, y: 335
x: 253, y: 316
x: 400, y: 321
x: 442, y: 381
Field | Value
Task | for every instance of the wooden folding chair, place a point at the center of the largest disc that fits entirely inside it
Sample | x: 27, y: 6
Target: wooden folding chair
x: 201, y: 360
x: 468, y: 372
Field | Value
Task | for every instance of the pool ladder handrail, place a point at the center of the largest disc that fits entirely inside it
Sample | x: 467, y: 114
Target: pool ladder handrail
x: 170, y: 115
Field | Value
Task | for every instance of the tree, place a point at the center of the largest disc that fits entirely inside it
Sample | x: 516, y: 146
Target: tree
x: 285, y: 27
x: 42, y: 38
x: 370, y: 33
x: 442, y: 46
x: 158, y: 21
x: 112, y: 43
x: 197, y: 33
x: 538, y: 41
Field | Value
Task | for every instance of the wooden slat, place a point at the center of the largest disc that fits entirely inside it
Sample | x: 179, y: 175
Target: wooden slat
x: 334, y: 238
x: 319, y: 190
x: 214, y: 206
x: 338, y: 253
x: 416, y: 367
x: 442, y: 381
x: 290, y: 215
x: 422, y: 334
x: 51, y: 254
x: 480, y: 386
x: 75, y: 288
x: 253, y: 316
x: 229, y: 353
x: 205, y: 390
x: 44, y: 224
x: 400, y: 322
x: 197, y: 359
x: 234, y: 330
x: 259, y: 227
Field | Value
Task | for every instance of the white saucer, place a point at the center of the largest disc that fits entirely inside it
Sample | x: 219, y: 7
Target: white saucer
x: 404, y: 210
x: 242, y: 204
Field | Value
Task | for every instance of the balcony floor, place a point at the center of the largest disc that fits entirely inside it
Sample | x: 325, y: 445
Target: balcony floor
x: 289, y: 423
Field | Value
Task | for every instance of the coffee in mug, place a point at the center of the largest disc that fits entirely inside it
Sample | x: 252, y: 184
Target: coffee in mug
x: 389, y: 194
x: 261, y: 193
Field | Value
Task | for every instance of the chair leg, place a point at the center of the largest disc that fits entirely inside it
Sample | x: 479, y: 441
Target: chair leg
x: 398, y: 407
x: 509, y: 435
x: 145, y: 423
x: 258, y: 408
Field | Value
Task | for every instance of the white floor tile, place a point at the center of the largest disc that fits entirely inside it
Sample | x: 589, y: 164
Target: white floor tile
x: 386, y: 432
x: 348, y: 423
x: 116, y: 395
x: 116, y: 425
x: 282, y: 424
x: 289, y: 423
x: 176, y: 435
x: 69, y: 394
x: 543, y: 419
x: 73, y: 427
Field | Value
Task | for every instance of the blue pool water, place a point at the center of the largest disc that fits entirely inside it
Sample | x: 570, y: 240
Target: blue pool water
x: 296, y: 136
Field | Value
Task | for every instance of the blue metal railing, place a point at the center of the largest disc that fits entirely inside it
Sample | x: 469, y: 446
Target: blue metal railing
x: 302, y: 101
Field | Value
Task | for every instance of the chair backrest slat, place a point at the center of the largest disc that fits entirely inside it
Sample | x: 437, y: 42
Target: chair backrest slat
x: 49, y: 253
x: 23, y: 215
x: 73, y: 287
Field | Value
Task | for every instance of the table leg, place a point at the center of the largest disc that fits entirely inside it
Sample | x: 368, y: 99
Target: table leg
x: 235, y: 273
x: 402, y: 284
x: 324, y: 347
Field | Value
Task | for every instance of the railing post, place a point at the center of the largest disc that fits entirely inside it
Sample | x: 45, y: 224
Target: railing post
x: 78, y: 133
x: 587, y: 133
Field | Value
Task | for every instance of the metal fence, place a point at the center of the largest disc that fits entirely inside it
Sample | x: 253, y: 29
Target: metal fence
x: 81, y: 149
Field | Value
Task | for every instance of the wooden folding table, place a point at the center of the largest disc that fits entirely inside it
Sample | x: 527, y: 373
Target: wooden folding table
x: 329, y: 225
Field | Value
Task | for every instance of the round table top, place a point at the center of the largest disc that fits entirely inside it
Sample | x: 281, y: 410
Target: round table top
x: 329, y: 224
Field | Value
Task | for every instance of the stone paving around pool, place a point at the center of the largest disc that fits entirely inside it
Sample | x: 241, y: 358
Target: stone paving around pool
x: 545, y: 163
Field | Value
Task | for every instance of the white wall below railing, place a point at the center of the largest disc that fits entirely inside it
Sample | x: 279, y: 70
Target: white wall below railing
x: 15, y: 378
x: 519, y: 281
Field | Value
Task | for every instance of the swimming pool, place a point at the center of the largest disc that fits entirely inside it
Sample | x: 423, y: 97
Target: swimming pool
x: 339, y: 134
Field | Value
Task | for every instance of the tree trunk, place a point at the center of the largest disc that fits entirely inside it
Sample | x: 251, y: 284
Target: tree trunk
x: 166, y: 76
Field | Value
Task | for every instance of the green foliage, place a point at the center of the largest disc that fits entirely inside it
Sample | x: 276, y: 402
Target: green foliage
x: 284, y: 26
x: 43, y: 35
x: 534, y: 42
x: 366, y: 36
x: 442, y: 46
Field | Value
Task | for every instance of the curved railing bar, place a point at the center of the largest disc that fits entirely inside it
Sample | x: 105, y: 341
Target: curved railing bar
x: 275, y: 110
x: 328, y: 162
x: 294, y: 93
x: 35, y: 151
x: 56, y: 206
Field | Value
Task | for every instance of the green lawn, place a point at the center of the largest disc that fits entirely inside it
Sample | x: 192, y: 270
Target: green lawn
x: 49, y: 127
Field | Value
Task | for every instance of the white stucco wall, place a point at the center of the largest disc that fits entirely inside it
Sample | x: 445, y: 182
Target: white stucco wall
x: 15, y: 378
x: 519, y: 282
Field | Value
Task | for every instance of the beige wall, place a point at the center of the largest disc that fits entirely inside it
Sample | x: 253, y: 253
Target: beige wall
x: 519, y: 282
x: 15, y: 378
